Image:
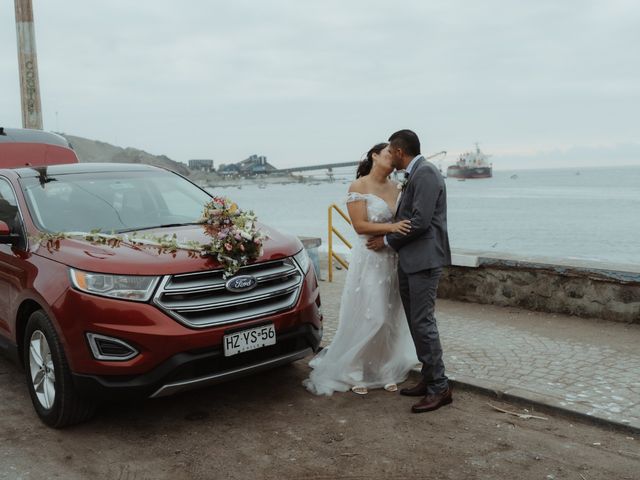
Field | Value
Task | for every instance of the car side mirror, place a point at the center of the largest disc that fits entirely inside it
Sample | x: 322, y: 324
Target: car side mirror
x: 6, y: 237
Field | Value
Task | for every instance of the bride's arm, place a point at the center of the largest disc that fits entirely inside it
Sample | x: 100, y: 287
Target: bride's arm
x: 361, y: 224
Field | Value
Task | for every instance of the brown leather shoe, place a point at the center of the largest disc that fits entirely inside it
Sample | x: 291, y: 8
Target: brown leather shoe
x: 418, y: 390
x: 433, y: 402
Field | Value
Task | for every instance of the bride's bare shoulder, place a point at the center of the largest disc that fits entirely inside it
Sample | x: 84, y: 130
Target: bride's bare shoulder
x: 358, y: 186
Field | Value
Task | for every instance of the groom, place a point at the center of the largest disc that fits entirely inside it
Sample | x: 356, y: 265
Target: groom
x: 422, y: 253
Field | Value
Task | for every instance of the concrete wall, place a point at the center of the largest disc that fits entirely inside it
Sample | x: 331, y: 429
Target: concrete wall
x: 586, y: 289
x: 574, y: 287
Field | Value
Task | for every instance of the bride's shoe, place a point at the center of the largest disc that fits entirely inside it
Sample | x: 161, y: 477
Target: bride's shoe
x: 391, y: 387
x: 360, y: 390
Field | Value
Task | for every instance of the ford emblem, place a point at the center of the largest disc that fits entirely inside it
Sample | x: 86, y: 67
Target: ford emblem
x: 241, y: 283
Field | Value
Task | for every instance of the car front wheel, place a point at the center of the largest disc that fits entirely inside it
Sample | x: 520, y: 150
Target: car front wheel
x: 48, y: 376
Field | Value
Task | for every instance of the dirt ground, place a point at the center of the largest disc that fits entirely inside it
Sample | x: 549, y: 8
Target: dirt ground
x: 268, y: 426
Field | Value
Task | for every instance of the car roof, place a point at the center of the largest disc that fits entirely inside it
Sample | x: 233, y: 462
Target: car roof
x: 71, y: 168
x: 25, y: 135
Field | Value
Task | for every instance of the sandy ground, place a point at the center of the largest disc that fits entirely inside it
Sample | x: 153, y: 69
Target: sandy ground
x: 268, y: 426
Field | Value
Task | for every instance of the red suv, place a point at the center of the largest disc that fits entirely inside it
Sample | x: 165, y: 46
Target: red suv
x: 91, y: 321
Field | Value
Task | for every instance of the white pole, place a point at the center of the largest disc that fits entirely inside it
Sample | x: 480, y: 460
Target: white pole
x: 28, y: 64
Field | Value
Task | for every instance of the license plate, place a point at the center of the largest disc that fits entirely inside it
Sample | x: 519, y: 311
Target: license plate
x: 250, y: 339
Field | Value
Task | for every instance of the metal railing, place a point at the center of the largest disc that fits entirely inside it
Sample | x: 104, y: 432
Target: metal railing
x: 333, y: 230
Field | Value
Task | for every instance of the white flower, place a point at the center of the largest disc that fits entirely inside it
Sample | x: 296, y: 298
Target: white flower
x: 402, y: 185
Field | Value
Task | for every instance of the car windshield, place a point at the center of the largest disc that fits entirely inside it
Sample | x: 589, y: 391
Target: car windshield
x: 112, y: 201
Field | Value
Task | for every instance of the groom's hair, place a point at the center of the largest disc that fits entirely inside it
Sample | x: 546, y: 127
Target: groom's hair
x: 407, y: 140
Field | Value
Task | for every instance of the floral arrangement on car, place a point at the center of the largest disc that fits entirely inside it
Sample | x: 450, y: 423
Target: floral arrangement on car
x: 235, y: 238
x: 236, y: 241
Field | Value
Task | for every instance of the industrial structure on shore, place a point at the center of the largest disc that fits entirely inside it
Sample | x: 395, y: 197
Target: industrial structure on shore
x: 251, y: 166
x: 257, y: 165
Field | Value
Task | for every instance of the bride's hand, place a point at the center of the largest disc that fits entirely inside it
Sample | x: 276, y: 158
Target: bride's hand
x: 403, y: 227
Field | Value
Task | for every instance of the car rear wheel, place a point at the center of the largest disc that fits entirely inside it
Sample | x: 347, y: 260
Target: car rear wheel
x: 48, y: 375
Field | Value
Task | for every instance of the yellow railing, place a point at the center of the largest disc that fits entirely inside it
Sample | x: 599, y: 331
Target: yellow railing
x: 332, y: 230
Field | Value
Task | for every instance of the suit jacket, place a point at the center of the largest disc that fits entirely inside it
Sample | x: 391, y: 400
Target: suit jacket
x: 424, y: 202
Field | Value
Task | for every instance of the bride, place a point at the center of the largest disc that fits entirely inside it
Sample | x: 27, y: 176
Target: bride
x: 372, y: 347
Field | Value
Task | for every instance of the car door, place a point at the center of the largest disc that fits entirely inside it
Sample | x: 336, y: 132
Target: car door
x: 12, y: 265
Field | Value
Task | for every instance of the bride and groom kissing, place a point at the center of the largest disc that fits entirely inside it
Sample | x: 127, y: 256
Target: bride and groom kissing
x: 386, y: 318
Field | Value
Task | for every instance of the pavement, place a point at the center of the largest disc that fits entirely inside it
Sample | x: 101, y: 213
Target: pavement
x: 588, y: 368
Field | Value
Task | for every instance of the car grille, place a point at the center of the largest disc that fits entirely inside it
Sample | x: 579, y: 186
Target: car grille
x: 202, y: 300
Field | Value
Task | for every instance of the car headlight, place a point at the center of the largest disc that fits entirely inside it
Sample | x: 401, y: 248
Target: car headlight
x: 127, y: 287
x: 303, y: 260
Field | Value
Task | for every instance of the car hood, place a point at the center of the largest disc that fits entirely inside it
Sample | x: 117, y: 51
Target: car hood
x: 147, y: 260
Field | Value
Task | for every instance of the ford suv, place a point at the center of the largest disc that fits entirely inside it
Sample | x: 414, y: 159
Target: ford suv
x: 92, y: 321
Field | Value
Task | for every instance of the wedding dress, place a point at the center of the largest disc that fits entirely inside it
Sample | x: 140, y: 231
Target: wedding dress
x: 372, y: 346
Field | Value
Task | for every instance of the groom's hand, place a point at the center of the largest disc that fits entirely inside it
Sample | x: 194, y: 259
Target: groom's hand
x: 376, y: 243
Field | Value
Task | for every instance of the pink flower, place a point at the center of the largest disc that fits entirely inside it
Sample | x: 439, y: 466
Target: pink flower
x: 228, y: 247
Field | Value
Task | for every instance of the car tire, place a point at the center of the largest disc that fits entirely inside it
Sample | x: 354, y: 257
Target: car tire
x: 48, y: 376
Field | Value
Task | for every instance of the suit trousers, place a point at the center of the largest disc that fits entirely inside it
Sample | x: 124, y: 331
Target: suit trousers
x: 418, y: 292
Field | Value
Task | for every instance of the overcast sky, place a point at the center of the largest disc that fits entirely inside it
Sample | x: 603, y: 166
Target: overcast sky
x: 314, y: 81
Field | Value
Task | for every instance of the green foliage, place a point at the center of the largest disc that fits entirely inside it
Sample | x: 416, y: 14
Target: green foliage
x: 235, y: 238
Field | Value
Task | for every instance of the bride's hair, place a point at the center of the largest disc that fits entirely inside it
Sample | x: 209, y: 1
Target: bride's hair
x: 365, y: 165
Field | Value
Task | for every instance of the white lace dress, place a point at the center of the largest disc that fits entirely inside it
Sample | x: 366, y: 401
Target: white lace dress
x: 372, y: 346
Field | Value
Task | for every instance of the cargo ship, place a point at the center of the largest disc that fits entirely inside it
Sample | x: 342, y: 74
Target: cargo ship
x: 471, y: 165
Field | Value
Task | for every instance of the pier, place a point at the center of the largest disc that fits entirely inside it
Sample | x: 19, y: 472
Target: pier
x: 331, y: 166
x: 324, y: 166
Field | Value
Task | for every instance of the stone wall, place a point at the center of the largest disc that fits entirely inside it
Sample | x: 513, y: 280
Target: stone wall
x: 586, y: 289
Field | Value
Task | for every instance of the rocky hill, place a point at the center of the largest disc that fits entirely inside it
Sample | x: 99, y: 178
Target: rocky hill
x: 96, y: 151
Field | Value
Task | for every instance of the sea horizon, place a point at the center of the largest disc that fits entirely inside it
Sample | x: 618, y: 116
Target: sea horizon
x: 530, y: 212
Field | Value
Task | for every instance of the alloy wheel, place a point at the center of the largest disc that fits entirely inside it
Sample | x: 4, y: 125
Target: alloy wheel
x: 42, y: 369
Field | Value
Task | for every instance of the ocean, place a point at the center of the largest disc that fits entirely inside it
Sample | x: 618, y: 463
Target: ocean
x: 586, y: 214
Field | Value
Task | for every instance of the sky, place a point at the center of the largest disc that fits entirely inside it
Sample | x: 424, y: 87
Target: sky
x: 546, y: 83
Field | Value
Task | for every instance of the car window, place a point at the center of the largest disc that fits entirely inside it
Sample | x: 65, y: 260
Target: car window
x: 181, y: 202
x: 8, y: 205
x: 112, y: 201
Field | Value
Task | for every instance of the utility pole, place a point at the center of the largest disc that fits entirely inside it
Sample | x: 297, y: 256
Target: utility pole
x: 28, y: 64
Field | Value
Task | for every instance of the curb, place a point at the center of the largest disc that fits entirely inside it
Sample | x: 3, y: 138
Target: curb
x: 540, y: 401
